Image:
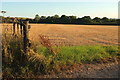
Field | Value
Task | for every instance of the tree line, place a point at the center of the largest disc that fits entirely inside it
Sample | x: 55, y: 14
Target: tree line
x: 56, y: 19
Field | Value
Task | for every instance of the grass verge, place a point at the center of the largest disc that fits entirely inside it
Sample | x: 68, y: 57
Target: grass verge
x: 81, y: 54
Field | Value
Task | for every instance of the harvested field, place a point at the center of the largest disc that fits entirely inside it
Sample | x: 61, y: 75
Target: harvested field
x: 65, y: 34
x: 61, y: 34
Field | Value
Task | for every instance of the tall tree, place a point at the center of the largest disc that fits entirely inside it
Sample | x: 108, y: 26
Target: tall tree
x: 86, y: 20
x: 43, y: 17
x: 97, y: 20
x: 56, y: 16
x: 105, y: 19
x: 64, y: 19
x: 37, y: 18
x: 72, y: 17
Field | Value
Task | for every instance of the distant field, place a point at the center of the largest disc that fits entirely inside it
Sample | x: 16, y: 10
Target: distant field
x: 61, y: 34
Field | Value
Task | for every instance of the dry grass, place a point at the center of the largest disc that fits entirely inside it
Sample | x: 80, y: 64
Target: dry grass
x: 46, y: 43
x: 76, y: 34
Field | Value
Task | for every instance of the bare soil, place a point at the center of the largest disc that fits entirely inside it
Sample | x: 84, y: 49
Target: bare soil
x: 106, y: 70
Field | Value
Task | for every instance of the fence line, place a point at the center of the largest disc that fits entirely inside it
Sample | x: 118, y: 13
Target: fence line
x: 22, y: 27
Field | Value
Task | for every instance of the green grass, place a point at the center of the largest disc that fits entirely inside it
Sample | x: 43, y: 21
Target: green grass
x: 81, y: 54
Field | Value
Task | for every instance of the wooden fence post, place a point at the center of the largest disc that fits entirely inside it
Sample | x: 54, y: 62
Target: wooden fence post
x: 14, y: 28
x: 25, y: 35
x: 17, y: 27
x: 21, y: 25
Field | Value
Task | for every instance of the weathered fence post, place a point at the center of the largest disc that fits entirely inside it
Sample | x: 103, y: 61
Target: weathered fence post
x: 21, y: 25
x: 14, y: 28
x: 17, y: 27
x: 25, y: 35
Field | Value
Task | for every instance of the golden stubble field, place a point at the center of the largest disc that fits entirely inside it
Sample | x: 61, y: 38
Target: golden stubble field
x: 65, y: 34
x: 61, y: 34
